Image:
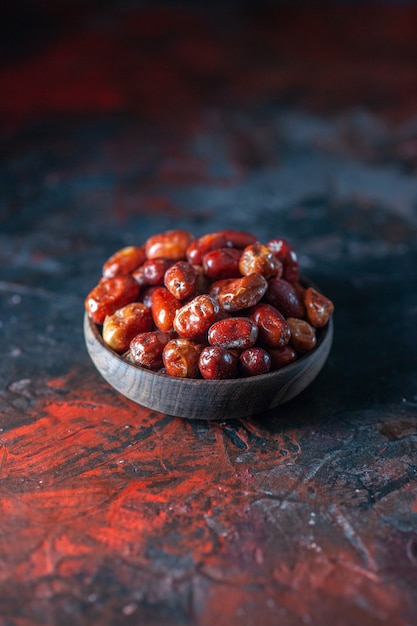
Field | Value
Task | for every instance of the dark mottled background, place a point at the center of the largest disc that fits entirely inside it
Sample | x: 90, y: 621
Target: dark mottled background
x: 118, y: 120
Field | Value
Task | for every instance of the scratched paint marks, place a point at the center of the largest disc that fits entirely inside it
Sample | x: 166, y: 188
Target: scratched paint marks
x: 192, y: 490
x: 279, y: 503
x: 263, y: 509
x: 323, y: 550
x: 345, y: 543
x: 110, y: 477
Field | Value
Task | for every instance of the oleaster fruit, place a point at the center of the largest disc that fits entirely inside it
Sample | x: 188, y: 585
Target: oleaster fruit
x: 219, y: 306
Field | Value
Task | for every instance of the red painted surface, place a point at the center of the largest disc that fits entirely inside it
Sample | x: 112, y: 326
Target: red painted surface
x: 151, y: 57
x: 109, y: 513
x: 208, y: 506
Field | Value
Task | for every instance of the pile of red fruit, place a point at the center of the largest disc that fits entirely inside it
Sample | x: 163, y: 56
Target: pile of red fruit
x: 219, y: 306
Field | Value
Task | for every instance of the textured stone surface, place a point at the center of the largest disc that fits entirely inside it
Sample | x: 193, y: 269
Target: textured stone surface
x: 118, y: 122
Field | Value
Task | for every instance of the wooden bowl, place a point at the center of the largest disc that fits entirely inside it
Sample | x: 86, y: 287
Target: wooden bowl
x: 206, y: 399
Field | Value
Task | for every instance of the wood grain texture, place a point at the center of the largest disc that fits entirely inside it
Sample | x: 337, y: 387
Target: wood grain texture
x: 206, y: 399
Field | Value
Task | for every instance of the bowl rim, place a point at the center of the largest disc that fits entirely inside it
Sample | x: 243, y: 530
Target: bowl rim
x: 322, y: 333
x: 199, y: 398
